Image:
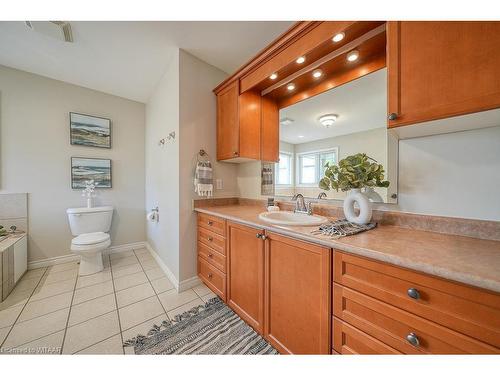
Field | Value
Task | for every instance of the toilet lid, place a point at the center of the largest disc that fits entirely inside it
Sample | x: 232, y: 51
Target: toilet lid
x: 90, y: 238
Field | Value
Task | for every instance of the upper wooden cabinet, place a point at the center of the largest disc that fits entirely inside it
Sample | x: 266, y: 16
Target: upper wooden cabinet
x: 247, y: 126
x: 441, y: 69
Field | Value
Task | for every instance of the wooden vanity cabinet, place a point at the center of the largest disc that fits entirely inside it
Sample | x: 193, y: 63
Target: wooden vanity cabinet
x: 247, y: 126
x: 245, y: 273
x: 441, y: 69
x: 297, y: 295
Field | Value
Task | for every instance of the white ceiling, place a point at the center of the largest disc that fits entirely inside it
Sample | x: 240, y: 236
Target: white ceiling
x: 360, y: 105
x: 128, y: 58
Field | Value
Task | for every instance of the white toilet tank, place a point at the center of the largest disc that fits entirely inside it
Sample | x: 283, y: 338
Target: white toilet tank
x: 87, y: 220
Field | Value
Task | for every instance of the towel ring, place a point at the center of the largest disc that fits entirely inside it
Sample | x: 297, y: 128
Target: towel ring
x: 202, y: 154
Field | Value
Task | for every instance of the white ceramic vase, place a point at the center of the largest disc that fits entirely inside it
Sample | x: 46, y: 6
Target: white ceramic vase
x: 364, y: 205
x: 90, y: 202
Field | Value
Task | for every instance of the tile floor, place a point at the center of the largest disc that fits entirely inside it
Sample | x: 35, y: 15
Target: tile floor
x: 54, y: 311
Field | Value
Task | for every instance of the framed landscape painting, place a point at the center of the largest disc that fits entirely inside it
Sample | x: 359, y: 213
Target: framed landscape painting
x: 85, y: 169
x: 86, y: 130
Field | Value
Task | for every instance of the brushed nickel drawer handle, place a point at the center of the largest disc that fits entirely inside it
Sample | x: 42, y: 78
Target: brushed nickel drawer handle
x: 413, y: 293
x: 210, y: 239
x: 210, y: 275
x: 392, y: 116
x: 210, y: 255
x: 413, y: 339
x: 210, y: 222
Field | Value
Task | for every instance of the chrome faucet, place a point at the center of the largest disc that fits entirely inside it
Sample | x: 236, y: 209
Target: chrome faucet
x: 301, y: 206
x: 322, y: 195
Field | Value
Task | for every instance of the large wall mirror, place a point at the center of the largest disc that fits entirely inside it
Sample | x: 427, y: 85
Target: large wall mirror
x: 330, y: 126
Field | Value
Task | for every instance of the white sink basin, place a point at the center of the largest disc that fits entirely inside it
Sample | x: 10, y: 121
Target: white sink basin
x: 292, y: 218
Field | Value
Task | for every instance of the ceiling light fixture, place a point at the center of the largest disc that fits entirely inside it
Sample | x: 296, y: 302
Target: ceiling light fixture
x: 291, y: 87
x: 300, y: 60
x: 317, y: 73
x: 328, y: 120
x: 273, y: 76
x: 300, y: 136
x: 338, y: 37
x: 352, y: 56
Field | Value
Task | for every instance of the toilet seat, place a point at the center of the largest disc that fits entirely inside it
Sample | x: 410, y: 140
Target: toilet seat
x: 93, y: 238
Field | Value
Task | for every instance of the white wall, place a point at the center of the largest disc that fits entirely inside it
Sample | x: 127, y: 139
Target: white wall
x: 162, y: 166
x: 35, y: 157
x: 197, y: 131
x: 183, y: 102
x: 456, y: 174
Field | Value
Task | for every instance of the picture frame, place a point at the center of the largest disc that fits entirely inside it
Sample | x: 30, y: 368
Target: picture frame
x: 84, y: 169
x: 89, y: 130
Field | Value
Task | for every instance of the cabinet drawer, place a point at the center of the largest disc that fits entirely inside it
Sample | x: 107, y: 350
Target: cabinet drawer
x: 212, y: 257
x: 464, y: 309
x: 212, y: 277
x: 347, y: 339
x: 392, y: 326
x: 212, y: 240
x: 212, y: 223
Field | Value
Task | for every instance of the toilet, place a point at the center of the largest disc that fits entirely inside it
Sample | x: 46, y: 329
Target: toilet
x: 90, y: 226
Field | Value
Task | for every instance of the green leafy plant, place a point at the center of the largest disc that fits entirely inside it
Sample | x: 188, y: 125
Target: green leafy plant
x: 353, y: 172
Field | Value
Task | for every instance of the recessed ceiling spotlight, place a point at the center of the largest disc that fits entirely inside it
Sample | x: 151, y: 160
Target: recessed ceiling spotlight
x: 301, y: 136
x: 291, y: 87
x: 328, y: 120
x: 286, y: 121
x: 317, y: 73
x: 300, y: 60
x: 273, y: 76
x: 338, y: 37
x: 352, y: 56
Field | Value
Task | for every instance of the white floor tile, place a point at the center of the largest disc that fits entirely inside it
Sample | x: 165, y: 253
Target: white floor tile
x: 121, y: 262
x: 91, y: 332
x: 208, y: 297
x: 155, y: 273
x: 54, y: 277
x: 171, y: 299
x: 9, y: 316
x: 49, y: 290
x: 201, y: 290
x: 50, y: 344
x: 149, y: 264
x: 113, y: 345
x: 91, y: 309
x: 63, y: 267
x: 188, y: 306
x: 129, y: 281
x: 126, y: 270
x: 45, y: 306
x: 93, y: 291
x: 162, y: 285
x: 134, y: 294
x: 3, y: 333
x: 97, y: 278
x: 121, y: 254
x: 36, y: 328
x: 34, y: 274
x: 143, y: 328
x: 139, y: 312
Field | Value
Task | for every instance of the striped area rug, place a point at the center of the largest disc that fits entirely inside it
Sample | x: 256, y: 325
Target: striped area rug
x: 212, y: 328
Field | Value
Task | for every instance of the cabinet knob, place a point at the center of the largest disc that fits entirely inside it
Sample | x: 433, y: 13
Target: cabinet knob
x: 210, y: 275
x: 413, y: 339
x: 235, y: 153
x: 210, y: 222
x: 258, y: 235
x: 392, y: 116
x: 210, y: 239
x: 210, y: 255
x: 413, y: 293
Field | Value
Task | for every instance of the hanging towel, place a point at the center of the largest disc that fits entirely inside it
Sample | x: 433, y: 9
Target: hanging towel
x: 203, y: 183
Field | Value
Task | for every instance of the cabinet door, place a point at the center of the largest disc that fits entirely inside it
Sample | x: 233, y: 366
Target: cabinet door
x: 228, y: 122
x: 298, y: 284
x: 250, y: 125
x: 20, y: 258
x: 442, y: 69
x: 245, y: 274
x: 270, y: 133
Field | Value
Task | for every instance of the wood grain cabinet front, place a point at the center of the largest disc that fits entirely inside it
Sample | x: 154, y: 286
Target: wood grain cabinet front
x: 441, y: 69
x: 245, y: 274
x: 297, y: 289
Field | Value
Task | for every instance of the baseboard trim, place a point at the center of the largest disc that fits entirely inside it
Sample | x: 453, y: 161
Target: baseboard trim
x: 163, y: 266
x: 53, y: 261
x: 74, y: 258
x: 189, y: 283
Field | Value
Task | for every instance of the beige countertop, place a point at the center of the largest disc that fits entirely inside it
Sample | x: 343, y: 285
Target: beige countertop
x: 464, y: 259
x: 10, y: 240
